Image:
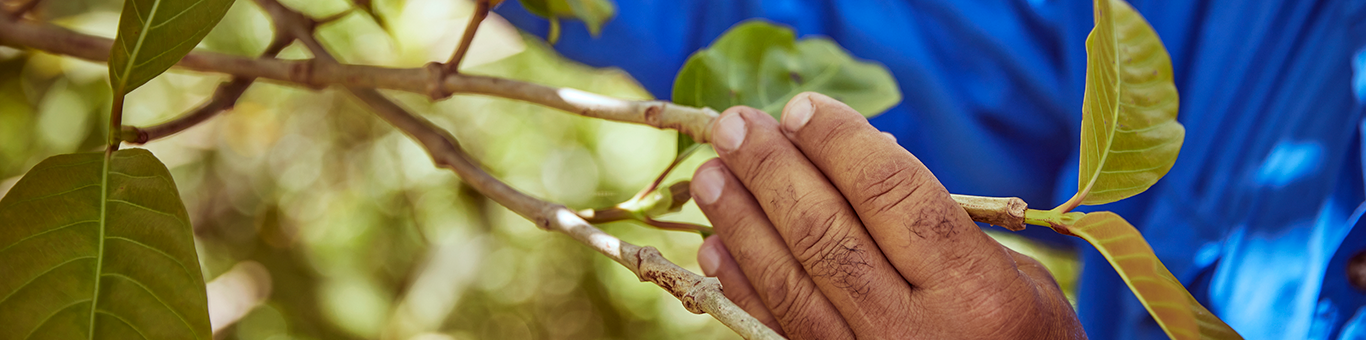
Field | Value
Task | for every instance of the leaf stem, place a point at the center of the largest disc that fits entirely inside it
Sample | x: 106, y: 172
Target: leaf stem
x: 1057, y: 220
x: 115, y: 124
x: 481, y: 11
x: 1072, y: 203
x: 672, y: 165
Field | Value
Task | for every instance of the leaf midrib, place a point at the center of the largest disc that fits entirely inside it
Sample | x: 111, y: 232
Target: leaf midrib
x: 104, y: 222
x: 1114, y: 115
x: 133, y: 59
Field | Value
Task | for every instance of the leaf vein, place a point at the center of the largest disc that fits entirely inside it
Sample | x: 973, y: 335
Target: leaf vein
x: 54, y: 313
x: 26, y: 238
x: 154, y: 296
x: 177, y: 218
x: 159, y: 251
x: 40, y: 275
x: 177, y: 15
x: 130, y: 324
x: 50, y: 195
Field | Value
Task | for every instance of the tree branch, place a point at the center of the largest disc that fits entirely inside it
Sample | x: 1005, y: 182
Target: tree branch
x: 24, y: 8
x: 481, y: 10
x: 699, y: 294
x: 431, y: 81
x: 224, y: 98
x: 1008, y: 212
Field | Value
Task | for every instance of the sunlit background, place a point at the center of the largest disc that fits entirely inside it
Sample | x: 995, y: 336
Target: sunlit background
x: 316, y: 220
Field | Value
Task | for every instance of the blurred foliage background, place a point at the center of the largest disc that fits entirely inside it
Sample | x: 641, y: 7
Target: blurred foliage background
x: 330, y: 224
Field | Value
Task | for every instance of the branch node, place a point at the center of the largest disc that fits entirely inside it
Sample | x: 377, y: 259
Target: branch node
x: 650, y: 265
x: 436, y: 76
x: 652, y: 112
x: 302, y: 72
x: 143, y: 138
x: 543, y: 221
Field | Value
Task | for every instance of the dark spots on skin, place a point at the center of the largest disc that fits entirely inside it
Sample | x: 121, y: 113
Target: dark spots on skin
x: 932, y: 221
x: 845, y: 266
x: 781, y: 196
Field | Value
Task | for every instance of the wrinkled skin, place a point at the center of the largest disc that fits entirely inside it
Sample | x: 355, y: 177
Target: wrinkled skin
x: 827, y: 229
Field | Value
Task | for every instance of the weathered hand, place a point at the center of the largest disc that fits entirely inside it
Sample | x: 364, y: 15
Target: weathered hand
x: 827, y: 229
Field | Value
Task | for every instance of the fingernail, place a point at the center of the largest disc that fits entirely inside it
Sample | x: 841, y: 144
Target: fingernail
x: 798, y: 113
x: 730, y: 132
x: 890, y: 136
x: 709, y: 257
x: 707, y: 184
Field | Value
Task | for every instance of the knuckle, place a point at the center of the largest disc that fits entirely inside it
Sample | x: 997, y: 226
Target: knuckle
x: 825, y: 245
x: 1010, y: 307
x: 836, y: 128
x: 784, y: 291
x: 813, y: 229
x: 887, y: 186
x: 933, y: 219
x: 762, y: 161
x: 793, y: 302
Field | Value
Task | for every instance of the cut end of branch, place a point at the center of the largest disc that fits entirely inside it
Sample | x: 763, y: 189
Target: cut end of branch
x: 1007, y: 212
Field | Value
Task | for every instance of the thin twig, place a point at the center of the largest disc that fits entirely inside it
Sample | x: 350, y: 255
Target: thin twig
x: 668, y: 169
x: 615, y: 214
x: 1007, y: 212
x: 24, y: 9
x: 699, y: 294
x: 333, y: 18
x: 224, y: 98
x: 317, y: 74
x: 481, y: 10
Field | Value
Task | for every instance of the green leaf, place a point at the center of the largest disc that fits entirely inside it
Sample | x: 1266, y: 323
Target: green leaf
x: 763, y: 65
x: 1170, y: 304
x: 593, y: 13
x: 154, y: 34
x: 105, y: 243
x: 1129, y: 134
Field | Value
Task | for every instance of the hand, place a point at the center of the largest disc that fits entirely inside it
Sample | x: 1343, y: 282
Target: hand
x: 827, y: 229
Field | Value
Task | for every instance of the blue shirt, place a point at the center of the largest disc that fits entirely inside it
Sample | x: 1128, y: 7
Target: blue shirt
x: 1259, y: 214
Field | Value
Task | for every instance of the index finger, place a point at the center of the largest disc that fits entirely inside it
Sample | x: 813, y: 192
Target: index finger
x: 923, y: 232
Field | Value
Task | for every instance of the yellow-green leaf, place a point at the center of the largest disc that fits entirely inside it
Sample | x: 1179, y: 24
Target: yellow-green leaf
x: 90, y: 244
x: 1179, y: 314
x: 1129, y: 133
x: 763, y: 65
x: 594, y: 13
x: 154, y: 34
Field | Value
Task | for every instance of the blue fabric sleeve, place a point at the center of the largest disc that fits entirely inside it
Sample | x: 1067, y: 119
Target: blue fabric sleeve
x: 1255, y: 218
x: 995, y: 79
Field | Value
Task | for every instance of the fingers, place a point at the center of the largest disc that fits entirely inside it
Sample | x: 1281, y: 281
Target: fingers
x: 814, y: 221
x: 716, y: 261
x: 923, y: 232
x: 773, y: 274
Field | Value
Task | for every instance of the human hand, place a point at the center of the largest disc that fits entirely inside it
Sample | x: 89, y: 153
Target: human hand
x: 827, y: 229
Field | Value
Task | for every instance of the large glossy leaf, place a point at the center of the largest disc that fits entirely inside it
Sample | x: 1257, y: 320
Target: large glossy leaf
x: 763, y: 65
x: 593, y: 13
x: 1129, y: 134
x: 1179, y: 314
x: 154, y: 34
x: 88, y: 245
